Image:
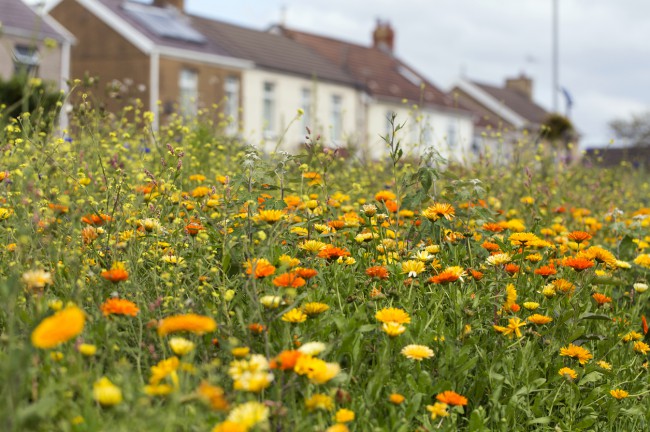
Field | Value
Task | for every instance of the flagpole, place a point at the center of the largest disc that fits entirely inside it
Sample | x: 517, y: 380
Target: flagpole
x: 555, y: 57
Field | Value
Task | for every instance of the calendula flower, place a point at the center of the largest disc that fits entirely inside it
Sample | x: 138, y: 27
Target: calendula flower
x: 193, y: 323
x: 259, y: 267
x: 312, y: 348
x: 396, y: 398
x: 640, y: 287
x: 619, y: 394
x: 59, y: 328
x: 417, y: 352
x: 385, y: 195
x: 269, y: 216
x: 317, y: 370
x: 214, y: 396
x: 379, y: 272
x: 181, y: 346
x: 288, y: 280
x: 314, y: 308
x: 539, y: 319
x: 344, y: 415
x: 106, y: 393
x: 632, y: 336
x: 286, y: 360
x: 499, y: 259
x: 451, y: 398
x: 601, y: 299
x: 295, y: 315
x: 412, y: 268
x: 579, y: 236
x: 641, y: 347
x: 531, y: 305
x: 439, y: 210
x: 396, y: 315
x: 578, y: 264
x: 87, y: 350
x: 568, y: 373
x: 271, y: 302
x: 393, y: 329
x: 546, y: 271
x: 522, y: 238
x: 117, y: 306
x: 332, y: 253
x: 513, y: 327
x: 450, y: 274
x: 642, y: 260
x: 320, y: 402
x: 439, y: 409
x: 249, y: 414
x: 37, y: 280
x: 598, y: 254
x: 577, y: 352
x: 604, y: 365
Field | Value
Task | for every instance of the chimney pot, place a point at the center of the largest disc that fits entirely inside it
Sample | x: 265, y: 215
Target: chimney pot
x: 522, y: 85
x: 383, y: 37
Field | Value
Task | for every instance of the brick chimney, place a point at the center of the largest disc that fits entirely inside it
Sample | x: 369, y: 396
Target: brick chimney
x: 178, y: 4
x: 383, y: 37
x: 522, y: 85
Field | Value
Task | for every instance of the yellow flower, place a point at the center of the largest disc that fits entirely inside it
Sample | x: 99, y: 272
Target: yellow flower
x: 106, y: 393
x: 412, y: 268
x: 314, y: 308
x: 643, y: 260
x: 604, y: 365
x: 577, y: 352
x: 438, y: 210
x: 417, y: 352
x: 539, y: 319
x: 344, y: 416
x: 87, y: 350
x: 181, y: 346
x: 37, y: 279
x: 439, y: 409
x: 165, y: 368
x: 568, y: 373
x: 240, y: 352
x: 641, y: 347
x: 320, y: 401
x: 249, y: 414
x: 269, y: 216
x: 395, y: 315
x: 158, y: 389
x: 295, y: 315
x: 197, y: 324
x: 619, y: 393
x: 393, y: 329
x: 59, y: 328
x: 271, y: 302
x: 317, y: 370
x: 312, y: 246
x: 531, y: 305
x: 396, y: 398
x: 499, y: 259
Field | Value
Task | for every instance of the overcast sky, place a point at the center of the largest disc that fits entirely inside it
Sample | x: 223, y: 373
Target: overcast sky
x: 604, y: 44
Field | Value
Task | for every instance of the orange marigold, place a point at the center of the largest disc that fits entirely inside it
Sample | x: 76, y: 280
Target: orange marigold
x: 511, y: 268
x: 117, y: 306
x: 490, y: 247
x: 59, y: 328
x: 577, y: 264
x: 193, y: 323
x: 96, y: 219
x: 262, y: 267
x: 115, y: 275
x: 288, y: 280
x: 601, y: 299
x: 379, y: 272
x: 385, y: 196
x: 286, y: 360
x: 546, y: 271
x: 493, y: 227
x: 332, y: 253
x: 451, y: 398
x: 579, y: 236
x: 305, y: 273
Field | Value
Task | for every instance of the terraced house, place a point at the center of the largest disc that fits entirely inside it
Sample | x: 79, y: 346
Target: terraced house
x: 262, y: 79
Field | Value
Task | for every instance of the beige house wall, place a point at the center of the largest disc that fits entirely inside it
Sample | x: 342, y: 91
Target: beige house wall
x: 50, y: 57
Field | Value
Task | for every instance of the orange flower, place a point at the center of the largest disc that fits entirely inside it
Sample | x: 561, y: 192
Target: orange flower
x: 601, y: 299
x: 193, y: 323
x: 385, y: 196
x: 59, y: 328
x: 88, y: 234
x: 257, y: 328
x: 115, y: 275
x: 490, y: 247
x: 379, y: 272
x: 564, y: 285
x: 305, y: 273
x: 451, y: 274
x: 579, y: 236
x: 58, y: 208
x: 492, y: 227
x: 289, y: 280
x: 286, y: 360
x: 336, y: 224
x: 193, y: 228
x: 451, y: 398
x: 438, y: 210
x: 577, y: 264
x: 116, y: 306
x: 214, y: 396
x: 96, y: 219
x: 261, y: 266
x: 477, y: 275
x: 511, y: 268
x: 391, y: 206
x: 332, y: 253
x: 546, y: 271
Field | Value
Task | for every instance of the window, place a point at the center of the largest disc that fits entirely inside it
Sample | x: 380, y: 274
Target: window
x: 231, y: 107
x: 188, y: 92
x: 268, y: 110
x: 452, y: 137
x: 337, y: 118
x: 305, y: 104
x: 26, y: 59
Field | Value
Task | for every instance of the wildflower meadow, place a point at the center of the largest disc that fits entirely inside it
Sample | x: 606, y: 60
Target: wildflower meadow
x: 180, y: 280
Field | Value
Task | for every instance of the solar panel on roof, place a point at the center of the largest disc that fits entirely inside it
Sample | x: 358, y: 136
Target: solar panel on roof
x: 164, y: 22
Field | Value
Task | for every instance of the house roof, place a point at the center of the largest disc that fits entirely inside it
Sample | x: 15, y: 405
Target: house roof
x: 19, y: 19
x: 516, y: 102
x: 382, y: 74
x: 271, y: 51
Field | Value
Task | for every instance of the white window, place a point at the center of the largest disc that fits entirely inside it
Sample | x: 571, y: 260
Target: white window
x: 26, y: 59
x: 268, y: 110
x: 452, y: 135
x: 305, y: 104
x: 337, y: 118
x: 231, y: 106
x: 188, y: 85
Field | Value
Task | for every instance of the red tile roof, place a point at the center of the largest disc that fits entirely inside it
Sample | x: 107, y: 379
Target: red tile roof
x: 383, y: 74
x: 518, y: 103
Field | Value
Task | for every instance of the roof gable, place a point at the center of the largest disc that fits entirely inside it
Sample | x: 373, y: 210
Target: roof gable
x: 19, y: 19
x: 271, y: 51
x: 381, y: 73
x: 524, y: 107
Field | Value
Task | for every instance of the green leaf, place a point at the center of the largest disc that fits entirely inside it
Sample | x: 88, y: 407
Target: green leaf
x: 590, y: 377
x: 539, y: 420
x: 366, y: 328
x: 593, y: 316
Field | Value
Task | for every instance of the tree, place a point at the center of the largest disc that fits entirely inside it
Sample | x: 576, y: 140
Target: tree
x: 634, y: 131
